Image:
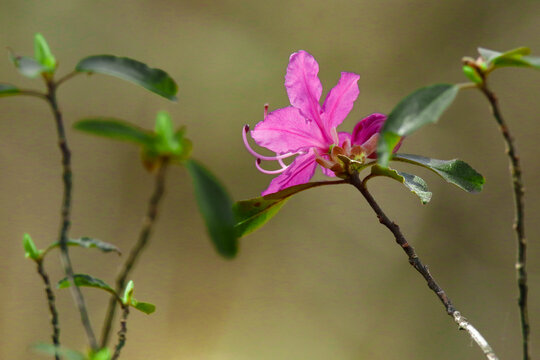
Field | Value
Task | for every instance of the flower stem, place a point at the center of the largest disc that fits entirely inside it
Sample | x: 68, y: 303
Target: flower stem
x: 122, y: 332
x: 144, y: 236
x: 66, y: 210
x: 415, y: 261
x: 519, y: 226
x: 52, y: 307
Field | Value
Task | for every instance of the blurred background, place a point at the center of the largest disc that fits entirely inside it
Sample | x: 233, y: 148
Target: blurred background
x: 323, y: 280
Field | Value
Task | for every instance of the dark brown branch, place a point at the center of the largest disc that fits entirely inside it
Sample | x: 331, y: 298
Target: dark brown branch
x: 52, y: 307
x: 122, y: 332
x: 415, y: 261
x: 519, y: 225
x: 144, y: 236
x: 65, y: 213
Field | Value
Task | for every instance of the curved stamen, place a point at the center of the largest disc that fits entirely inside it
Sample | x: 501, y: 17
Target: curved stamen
x: 262, y: 157
x: 270, y: 172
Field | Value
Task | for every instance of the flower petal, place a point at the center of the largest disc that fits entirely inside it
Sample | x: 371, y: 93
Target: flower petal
x: 367, y: 127
x: 340, y: 99
x: 303, y: 85
x: 286, y: 130
x: 300, y: 171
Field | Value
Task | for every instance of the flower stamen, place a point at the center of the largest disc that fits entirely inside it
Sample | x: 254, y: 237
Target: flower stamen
x: 270, y: 172
x: 262, y: 157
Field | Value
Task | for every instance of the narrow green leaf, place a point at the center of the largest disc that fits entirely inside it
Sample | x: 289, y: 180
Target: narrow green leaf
x: 86, y: 281
x: 88, y: 243
x: 422, y: 107
x: 516, y: 58
x: 155, y: 80
x: 253, y: 213
x: 146, y: 308
x: 30, y: 249
x: 116, y: 129
x: 50, y: 350
x: 215, y: 206
x: 42, y: 53
x: 454, y: 171
x: 416, y: 184
x: 128, y: 293
x: 8, y: 89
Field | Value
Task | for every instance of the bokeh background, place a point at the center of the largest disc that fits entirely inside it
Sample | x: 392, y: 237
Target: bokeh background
x: 324, y: 280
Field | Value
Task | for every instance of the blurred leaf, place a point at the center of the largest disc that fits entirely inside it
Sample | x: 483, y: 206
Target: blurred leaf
x: 128, y: 293
x: 27, y: 66
x: 414, y: 183
x: 30, y: 249
x: 42, y: 53
x: 86, y: 281
x: 103, y: 354
x: 146, y: 308
x: 166, y: 141
x: 215, y: 206
x: 423, y: 106
x: 8, y: 89
x: 116, y: 129
x: 454, y: 171
x: 88, y: 243
x: 516, y: 57
x: 155, y: 80
x: 253, y: 213
x: 50, y: 350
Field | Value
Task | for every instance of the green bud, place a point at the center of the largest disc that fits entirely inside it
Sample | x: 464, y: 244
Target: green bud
x: 128, y: 293
x: 42, y: 53
x: 472, y: 74
x: 30, y: 249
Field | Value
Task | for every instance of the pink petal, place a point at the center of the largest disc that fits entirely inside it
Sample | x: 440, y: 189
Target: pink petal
x: 286, y: 130
x: 339, y: 101
x: 367, y: 127
x: 303, y: 85
x: 300, y: 171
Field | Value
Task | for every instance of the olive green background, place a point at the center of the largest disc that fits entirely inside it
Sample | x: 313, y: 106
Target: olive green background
x: 324, y: 280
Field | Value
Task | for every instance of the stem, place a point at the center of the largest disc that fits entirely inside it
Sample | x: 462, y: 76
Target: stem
x: 66, y: 210
x: 52, y: 308
x: 144, y: 236
x: 415, y: 261
x: 519, y: 226
x: 122, y: 332
x: 66, y: 77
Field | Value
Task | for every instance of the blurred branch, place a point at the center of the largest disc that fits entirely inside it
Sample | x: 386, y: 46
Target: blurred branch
x: 519, y: 226
x: 415, y: 261
x: 52, y: 308
x: 66, y: 210
x: 144, y: 236
x: 122, y: 332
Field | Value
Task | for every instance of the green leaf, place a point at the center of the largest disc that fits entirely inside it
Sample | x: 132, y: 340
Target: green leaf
x: 454, y: 171
x: 166, y: 141
x: 155, y: 80
x: 472, y: 74
x: 50, y: 350
x: 516, y: 58
x: 8, y: 89
x: 103, y: 354
x: 88, y: 243
x: 215, y: 206
x: 146, y: 308
x: 253, y: 213
x: 128, y: 293
x: 30, y: 249
x: 416, y: 184
x: 27, y: 66
x: 86, y: 281
x: 43, y: 54
x: 116, y: 129
x: 423, y: 106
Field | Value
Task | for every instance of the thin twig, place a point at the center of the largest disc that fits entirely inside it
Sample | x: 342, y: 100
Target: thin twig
x: 52, y: 308
x: 136, y: 251
x: 66, y: 77
x: 414, y: 260
x: 66, y: 210
x: 122, y: 332
x: 519, y: 225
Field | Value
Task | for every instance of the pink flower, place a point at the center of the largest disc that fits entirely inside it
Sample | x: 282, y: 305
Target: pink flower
x: 308, y: 131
